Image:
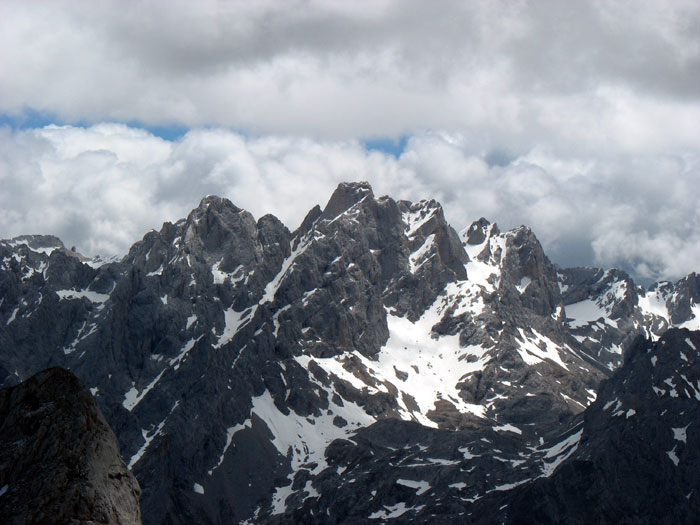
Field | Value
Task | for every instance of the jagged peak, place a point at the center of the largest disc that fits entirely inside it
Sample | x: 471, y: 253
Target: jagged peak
x: 35, y: 242
x: 216, y: 202
x: 477, y: 232
x: 45, y: 244
x: 346, y: 195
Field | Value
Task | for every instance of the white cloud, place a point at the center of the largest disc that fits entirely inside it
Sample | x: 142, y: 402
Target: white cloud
x: 584, y: 76
x: 101, y: 188
x: 580, y: 119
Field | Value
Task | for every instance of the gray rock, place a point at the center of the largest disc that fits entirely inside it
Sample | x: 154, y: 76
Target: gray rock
x: 60, y: 460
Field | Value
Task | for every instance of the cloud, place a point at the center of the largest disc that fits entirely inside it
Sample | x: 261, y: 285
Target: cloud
x: 584, y: 76
x: 580, y: 119
x: 102, y: 187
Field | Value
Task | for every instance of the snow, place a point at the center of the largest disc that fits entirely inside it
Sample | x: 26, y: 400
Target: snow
x: 508, y: 486
x: 440, y: 362
x: 414, y: 220
x: 560, y: 452
x: 433, y: 366
x: 653, y: 360
x: 220, y: 277
x: 462, y: 297
x: 585, y: 312
x: 420, y: 486
x: 672, y: 456
x: 77, y: 294
x: 230, y: 433
x: 480, y: 273
x: 658, y: 391
x: 274, y: 284
x: 690, y: 343
x: 81, y: 335
x: 310, y: 491
x: 393, y: 511
x: 94, y: 391
x: 279, y: 497
x: 508, y: 428
x: 98, y: 261
x: 233, y: 321
x: 190, y: 321
x: 46, y: 250
x: 460, y: 485
x: 417, y: 258
x: 12, y: 316
x: 275, y: 318
x: 466, y: 453
x: 198, y: 488
x: 654, y: 303
x: 694, y: 322
x: 306, y: 438
x: 679, y: 434
x: 4, y: 489
x: 630, y: 413
x: 524, y: 283
x: 133, y: 398
x: 159, y: 271
x: 185, y: 350
x: 149, y: 437
x: 531, y: 352
x: 308, y: 294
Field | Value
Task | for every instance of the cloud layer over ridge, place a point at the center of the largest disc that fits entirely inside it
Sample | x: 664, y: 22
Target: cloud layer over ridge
x: 103, y: 187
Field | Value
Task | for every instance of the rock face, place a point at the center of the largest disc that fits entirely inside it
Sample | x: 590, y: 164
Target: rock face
x: 373, y: 362
x: 60, y: 460
x: 634, y: 459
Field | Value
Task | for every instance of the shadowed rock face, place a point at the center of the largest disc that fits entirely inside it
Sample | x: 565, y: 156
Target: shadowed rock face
x: 634, y: 458
x: 60, y: 460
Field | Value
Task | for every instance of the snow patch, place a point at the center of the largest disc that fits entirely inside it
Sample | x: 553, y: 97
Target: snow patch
x: 531, y: 352
x: 560, y: 452
x: 233, y: 321
x: 585, y: 312
x: 508, y: 428
x: 420, y: 486
x: 91, y: 296
x: 230, y: 433
x: 524, y: 283
x: 672, y: 456
x: 679, y: 434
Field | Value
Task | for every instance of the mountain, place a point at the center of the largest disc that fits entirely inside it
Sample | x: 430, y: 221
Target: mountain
x: 60, y: 460
x: 633, y: 458
x: 372, y: 363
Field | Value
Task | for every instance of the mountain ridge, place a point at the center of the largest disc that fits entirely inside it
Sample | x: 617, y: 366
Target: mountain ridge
x: 282, y: 345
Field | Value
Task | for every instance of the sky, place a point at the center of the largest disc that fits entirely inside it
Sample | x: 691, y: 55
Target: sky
x: 578, y: 119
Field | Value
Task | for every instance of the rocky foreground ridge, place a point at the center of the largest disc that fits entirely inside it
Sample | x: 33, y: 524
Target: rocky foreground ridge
x: 373, y: 364
x: 60, y: 460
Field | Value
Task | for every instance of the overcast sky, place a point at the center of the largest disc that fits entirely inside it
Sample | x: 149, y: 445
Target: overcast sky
x: 578, y: 119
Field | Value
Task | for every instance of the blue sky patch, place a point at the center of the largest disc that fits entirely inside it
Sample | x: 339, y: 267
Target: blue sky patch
x: 392, y: 146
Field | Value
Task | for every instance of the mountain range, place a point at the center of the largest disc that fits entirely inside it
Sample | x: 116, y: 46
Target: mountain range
x: 374, y: 364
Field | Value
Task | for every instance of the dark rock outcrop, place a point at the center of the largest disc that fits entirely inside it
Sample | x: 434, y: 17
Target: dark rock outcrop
x: 635, y: 459
x: 60, y: 460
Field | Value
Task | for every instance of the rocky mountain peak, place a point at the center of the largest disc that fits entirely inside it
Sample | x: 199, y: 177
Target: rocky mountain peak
x: 346, y: 195
x: 477, y: 232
